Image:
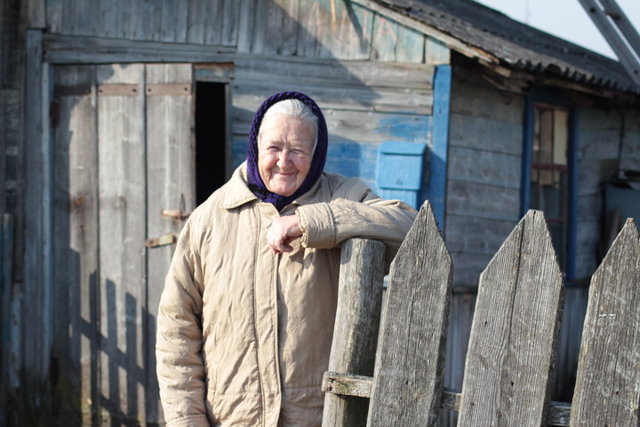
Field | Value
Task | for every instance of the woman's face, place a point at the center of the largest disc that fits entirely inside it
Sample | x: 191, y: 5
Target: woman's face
x: 285, y: 150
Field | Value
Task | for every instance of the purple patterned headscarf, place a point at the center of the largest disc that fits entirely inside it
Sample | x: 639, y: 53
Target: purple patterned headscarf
x: 317, y: 163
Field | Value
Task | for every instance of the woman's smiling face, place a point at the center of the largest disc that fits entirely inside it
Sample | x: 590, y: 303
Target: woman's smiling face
x: 285, y: 150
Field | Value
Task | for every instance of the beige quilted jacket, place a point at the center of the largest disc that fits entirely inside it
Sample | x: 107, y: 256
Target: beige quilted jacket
x: 243, y: 334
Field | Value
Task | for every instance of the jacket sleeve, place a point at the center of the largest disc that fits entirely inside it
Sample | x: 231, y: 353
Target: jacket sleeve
x: 355, y: 212
x: 179, y: 339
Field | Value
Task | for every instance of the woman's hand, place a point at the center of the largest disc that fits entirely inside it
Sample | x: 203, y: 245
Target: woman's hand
x: 283, y: 231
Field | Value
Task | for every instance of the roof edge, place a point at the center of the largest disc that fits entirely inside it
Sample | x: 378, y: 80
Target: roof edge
x: 398, y: 14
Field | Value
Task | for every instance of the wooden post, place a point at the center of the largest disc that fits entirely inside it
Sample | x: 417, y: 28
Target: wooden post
x: 407, y: 387
x: 608, y: 378
x: 356, y: 327
x: 38, y: 267
x: 6, y: 284
x: 513, y: 337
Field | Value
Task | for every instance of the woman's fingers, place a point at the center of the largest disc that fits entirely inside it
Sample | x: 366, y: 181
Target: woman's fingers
x: 283, y: 231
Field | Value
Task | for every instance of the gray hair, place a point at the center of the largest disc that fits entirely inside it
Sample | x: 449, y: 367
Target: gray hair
x: 297, y: 109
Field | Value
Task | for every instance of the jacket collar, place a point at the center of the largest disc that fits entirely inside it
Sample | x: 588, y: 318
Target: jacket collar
x: 237, y: 193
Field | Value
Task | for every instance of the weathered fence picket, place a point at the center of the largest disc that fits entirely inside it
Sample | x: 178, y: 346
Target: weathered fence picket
x: 608, y: 380
x: 512, y: 343
x: 408, y: 377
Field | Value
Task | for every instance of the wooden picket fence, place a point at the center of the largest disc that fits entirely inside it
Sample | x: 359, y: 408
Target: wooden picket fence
x: 510, y: 358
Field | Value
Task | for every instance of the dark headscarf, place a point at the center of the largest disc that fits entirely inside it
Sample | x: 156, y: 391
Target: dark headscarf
x: 317, y: 163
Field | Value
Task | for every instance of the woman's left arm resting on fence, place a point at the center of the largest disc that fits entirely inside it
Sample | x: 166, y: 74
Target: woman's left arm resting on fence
x: 358, y: 213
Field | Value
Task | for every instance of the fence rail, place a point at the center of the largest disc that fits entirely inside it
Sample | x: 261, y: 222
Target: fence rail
x: 513, y: 340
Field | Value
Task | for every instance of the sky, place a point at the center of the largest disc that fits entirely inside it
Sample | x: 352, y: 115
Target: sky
x: 564, y: 18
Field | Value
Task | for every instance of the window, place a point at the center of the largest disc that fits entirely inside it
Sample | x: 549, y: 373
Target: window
x: 549, y: 170
x: 549, y: 173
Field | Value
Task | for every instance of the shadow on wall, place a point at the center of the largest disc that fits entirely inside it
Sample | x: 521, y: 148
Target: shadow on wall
x: 102, y: 364
x: 101, y: 378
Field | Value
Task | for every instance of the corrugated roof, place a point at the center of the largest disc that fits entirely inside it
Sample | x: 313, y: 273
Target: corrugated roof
x: 514, y: 43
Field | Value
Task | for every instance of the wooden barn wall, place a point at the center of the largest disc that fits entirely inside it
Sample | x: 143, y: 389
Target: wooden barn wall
x: 305, y: 28
x: 483, y: 202
x: 483, y: 192
x: 123, y: 152
x: 346, y: 56
x: 483, y: 198
x: 372, y: 77
x: 631, y: 139
x: 609, y: 140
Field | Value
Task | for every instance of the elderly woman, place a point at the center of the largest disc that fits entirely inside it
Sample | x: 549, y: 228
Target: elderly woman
x: 246, y: 316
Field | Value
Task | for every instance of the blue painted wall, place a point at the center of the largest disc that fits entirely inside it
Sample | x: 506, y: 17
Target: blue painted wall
x: 437, y: 189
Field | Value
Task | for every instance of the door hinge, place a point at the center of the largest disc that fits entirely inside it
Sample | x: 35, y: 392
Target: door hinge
x: 165, y: 240
x: 175, y: 214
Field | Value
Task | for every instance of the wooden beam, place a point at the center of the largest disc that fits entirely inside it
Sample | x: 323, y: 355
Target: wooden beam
x: 36, y: 14
x: 609, y: 27
x: 360, y: 386
x: 38, y: 265
x: 347, y: 385
x: 59, y: 49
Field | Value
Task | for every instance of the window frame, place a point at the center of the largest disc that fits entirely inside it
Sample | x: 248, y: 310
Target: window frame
x: 559, y: 100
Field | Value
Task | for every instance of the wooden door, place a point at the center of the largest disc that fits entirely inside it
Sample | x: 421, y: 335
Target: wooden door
x: 123, y: 152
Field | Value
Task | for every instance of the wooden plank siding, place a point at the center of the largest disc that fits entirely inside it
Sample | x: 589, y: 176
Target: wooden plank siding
x: 122, y: 231
x: 75, y: 296
x: 37, y: 278
x: 170, y: 169
x: 305, y: 28
x: 370, y: 74
x: 630, y: 134
x: 483, y: 199
x: 483, y: 184
x: 124, y: 150
x: 601, y: 137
